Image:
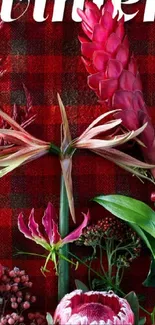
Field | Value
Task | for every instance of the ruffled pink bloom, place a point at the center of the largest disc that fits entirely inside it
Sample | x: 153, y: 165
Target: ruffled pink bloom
x: 52, y: 241
x: 93, y: 308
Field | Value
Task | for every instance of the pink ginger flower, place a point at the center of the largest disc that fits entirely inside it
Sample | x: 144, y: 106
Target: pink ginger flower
x: 113, y: 72
x: 53, y: 241
x: 93, y: 308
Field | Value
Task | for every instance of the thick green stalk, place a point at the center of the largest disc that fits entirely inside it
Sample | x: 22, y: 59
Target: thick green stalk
x: 63, y: 277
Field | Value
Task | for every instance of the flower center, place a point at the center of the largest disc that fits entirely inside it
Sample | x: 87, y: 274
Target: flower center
x: 96, y: 311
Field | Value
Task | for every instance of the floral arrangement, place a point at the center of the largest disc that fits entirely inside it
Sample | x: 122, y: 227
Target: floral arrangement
x: 115, y: 240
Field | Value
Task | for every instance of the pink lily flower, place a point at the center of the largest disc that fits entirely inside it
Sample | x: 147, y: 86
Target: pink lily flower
x: 53, y: 241
x: 93, y: 308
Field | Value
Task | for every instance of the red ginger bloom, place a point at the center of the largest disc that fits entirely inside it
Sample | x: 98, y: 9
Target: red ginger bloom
x: 113, y: 71
x: 96, y: 308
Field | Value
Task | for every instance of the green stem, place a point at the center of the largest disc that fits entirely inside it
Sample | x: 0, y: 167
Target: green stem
x: 63, y: 277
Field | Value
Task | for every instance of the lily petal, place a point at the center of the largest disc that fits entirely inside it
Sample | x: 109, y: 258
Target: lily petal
x: 33, y: 226
x: 19, y: 158
x: 121, y: 157
x: 11, y: 122
x: 96, y: 121
x: 23, y: 228
x: 75, y: 234
x: 66, y: 131
x: 50, y: 225
x: 117, y: 140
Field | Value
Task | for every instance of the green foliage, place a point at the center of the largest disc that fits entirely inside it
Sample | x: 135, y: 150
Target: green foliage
x: 142, y: 321
x: 49, y: 319
x: 134, y: 304
x: 138, y: 214
x: 80, y: 285
x: 150, y: 280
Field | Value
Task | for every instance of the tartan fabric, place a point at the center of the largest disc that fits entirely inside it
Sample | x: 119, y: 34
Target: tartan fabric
x: 46, y: 58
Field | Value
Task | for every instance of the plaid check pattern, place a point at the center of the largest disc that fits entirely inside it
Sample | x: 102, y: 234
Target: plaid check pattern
x: 46, y: 58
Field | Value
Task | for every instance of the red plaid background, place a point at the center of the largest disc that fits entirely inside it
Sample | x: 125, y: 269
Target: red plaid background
x: 46, y: 58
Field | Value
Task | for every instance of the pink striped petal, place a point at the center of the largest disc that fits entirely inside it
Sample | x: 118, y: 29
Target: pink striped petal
x: 33, y: 226
x: 75, y: 234
x: 23, y: 228
x: 50, y: 225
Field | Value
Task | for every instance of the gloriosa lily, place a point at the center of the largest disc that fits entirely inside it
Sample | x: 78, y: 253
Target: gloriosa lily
x: 53, y: 242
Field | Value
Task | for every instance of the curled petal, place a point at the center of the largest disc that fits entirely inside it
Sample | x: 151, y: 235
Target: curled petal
x: 19, y: 158
x: 33, y: 226
x: 23, y: 228
x: 75, y: 234
x: 121, y: 157
x: 50, y: 225
x: 128, y: 163
x: 32, y: 231
x: 117, y: 140
x: 96, y: 121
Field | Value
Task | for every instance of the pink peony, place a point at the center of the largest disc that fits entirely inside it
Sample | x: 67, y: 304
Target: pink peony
x: 93, y: 308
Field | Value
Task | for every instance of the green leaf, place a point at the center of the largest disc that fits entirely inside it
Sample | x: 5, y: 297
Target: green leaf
x: 142, y: 321
x: 134, y: 304
x: 150, y: 280
x: 133, y: 211
x: 80, y: 285
x: 49, y: 319
x: 148, y: 239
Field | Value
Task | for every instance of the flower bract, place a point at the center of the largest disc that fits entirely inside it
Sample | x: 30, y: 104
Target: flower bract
x: 93, y: 308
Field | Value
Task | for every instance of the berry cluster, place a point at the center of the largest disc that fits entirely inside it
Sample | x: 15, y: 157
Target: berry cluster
x: 37, y: 319
x: 124, y: 240
x: 107, y: 228
x: 15, y: 297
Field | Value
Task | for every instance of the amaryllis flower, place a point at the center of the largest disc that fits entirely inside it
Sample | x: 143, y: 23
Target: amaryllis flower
x: 22, y: 147
x: 52, y: 240
x: 105, y: 146
x: 114, y: 75
x: 93, y: 308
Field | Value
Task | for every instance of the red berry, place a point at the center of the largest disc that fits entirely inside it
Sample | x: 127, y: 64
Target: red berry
x: 11, y: 321
x: 26, y: 305
x: 33, y: 299
x: 14, y: 305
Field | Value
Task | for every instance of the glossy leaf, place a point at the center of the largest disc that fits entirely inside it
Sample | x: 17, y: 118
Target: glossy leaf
x: 139, y: 215
x: 147, y: 239
x: 150, y: 280
x: 49, y: 319
x: 134, y: 304
x: 81, y: 286
x: 130, y: 210
x: 142, y: 321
